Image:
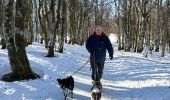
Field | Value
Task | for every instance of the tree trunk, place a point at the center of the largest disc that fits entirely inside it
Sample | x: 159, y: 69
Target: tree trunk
x: 17, y: 55
x: 143, y: 30
x: 166, y: 28
x: 96, y: 13
x: 157, y: 37
x: 163, y: 42
x: 3, y: 41
x: 52, y: 29
x: 141, y: 37
x: 36, y: 19
x: 72, y: 26
x: 63, y: 27
x: 43, y: 25
x: 169, y: 44
x: 21, y: 8
x: 30, y: 24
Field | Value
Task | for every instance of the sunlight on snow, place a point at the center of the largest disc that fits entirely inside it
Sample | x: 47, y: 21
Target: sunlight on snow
x: 9, y: 91
x: 113, y: 38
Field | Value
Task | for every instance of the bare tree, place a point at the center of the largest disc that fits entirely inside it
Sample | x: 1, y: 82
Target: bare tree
x: 3, y: 41
x: 16, y: 42
x: 63, y: 26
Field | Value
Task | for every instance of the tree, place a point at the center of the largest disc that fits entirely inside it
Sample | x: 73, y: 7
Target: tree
x: 3, y: 41
x: 142, y: 23
x: 43, y: 20
x: 52, y: 29
x: 63, y: 26
x: 165, y: 27
x: 145, y: 10
x: 157, y: 39
x: 16, y: 42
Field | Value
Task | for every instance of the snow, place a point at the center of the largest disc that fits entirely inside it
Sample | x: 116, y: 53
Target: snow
x: 129, y: 76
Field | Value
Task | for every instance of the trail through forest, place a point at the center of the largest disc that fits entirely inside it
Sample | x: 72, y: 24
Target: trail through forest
x: 129, y: 76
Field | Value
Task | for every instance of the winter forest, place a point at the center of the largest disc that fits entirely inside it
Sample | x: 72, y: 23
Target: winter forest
x: 44, y: 40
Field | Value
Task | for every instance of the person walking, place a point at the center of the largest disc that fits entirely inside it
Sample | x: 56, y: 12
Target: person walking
x: 97, y: 44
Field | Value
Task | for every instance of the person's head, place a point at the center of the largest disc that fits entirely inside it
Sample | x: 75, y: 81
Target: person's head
x: 99, y: 30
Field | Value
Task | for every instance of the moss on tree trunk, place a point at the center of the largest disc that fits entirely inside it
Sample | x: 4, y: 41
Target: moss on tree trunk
x: 16, y: 43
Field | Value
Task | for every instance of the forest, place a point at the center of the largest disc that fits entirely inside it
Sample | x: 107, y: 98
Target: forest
x: 23, y: 22
x: 143, y: 23
x: 141, y: 26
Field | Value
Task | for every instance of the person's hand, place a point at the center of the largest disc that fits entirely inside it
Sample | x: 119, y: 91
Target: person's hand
x: 111, y: 57
x: 91, y: 53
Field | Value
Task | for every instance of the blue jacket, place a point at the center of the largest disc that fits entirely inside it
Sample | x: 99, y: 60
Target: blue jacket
x: 99, y: 44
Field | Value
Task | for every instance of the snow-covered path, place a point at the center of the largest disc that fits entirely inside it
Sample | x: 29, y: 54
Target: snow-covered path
x: 129, y: 76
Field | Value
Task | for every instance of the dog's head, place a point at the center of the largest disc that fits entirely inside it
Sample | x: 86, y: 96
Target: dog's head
x: 61, y: 83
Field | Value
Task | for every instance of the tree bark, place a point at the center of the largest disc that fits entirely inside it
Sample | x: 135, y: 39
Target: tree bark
x: 63, y: 27
x: 3, y: 40
x: 145, y: 12
x: 16, y: 43
x: 42, y: 21
x: 52, y: 29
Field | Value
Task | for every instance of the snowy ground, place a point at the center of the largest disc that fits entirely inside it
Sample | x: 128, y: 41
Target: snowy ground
x: 129, y: 76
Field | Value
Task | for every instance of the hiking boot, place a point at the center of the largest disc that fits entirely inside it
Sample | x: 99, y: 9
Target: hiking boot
x: 98, y: 83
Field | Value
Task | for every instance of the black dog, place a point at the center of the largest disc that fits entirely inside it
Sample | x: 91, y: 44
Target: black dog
x: 67, y: 85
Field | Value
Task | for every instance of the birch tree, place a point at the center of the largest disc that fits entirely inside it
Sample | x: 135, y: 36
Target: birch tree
x: 14, y: 29
x: 63, y: 26
x: 3, y: 40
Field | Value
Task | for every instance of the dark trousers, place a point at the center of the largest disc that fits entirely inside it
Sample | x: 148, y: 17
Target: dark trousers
x: 97, y: 69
